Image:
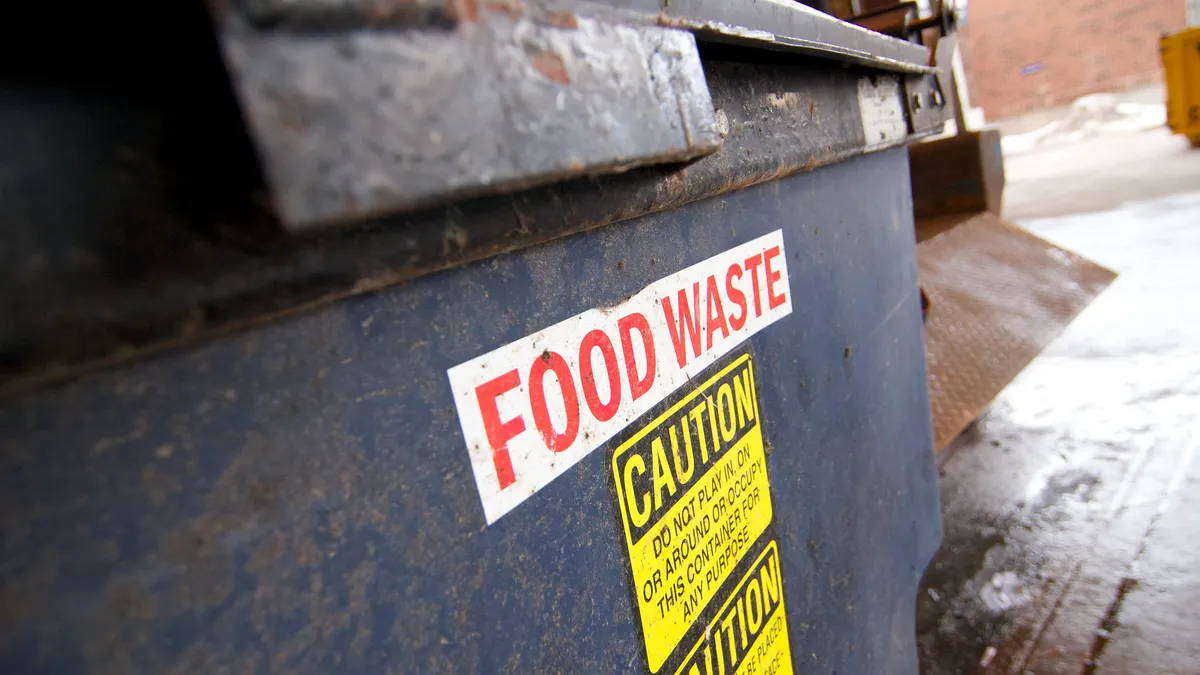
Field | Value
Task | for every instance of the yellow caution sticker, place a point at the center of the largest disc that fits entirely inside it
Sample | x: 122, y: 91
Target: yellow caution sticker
x: 749, y: 634
x: 693, y: 501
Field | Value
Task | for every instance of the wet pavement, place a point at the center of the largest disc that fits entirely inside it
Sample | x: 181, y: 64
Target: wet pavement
x: 1072, y: 508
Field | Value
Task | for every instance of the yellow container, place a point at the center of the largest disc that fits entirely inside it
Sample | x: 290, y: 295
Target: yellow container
x: 1181, y: 67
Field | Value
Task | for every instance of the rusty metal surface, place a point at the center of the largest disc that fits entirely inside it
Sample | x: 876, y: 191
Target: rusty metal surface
x: 353, y: 123
x: 998, y: 295
x: 927, y: 106
x: 927, y: 228
x: 962, y: 174
x: 782, y: 25
x: 785, y: 26
x: 164, y: 239
x: 927, y: 97
x: 892, y: 20
x: 362, y: 108
x: 903, y: 20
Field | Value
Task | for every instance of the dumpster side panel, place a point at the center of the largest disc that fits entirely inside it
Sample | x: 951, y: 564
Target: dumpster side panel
x: 299, y: 498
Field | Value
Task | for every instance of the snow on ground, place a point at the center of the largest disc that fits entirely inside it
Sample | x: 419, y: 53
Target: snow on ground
x: 1091, y: 116
x: 1094, y: 155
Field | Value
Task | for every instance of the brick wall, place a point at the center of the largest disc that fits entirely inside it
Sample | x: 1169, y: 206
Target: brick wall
x: 1021, y: 55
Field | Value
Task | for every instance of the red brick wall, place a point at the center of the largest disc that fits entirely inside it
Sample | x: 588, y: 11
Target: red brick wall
x: 1073, y: 47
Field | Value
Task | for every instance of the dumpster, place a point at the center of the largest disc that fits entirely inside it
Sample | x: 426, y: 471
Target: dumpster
x: 481, y: 337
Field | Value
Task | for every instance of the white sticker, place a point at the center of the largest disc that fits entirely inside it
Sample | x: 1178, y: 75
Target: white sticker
x: 882, y: 115
x: 533, y: 408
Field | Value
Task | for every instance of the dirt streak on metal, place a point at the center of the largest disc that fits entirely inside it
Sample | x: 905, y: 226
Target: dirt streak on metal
x: 264, y: 539
x: 267, y: 277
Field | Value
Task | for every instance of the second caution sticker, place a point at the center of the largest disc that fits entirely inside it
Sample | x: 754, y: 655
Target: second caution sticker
x: 694, y: 502
x: 749, y: 635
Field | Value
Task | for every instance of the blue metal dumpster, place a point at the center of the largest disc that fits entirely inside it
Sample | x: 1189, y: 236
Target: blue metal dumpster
x: 611, y: 409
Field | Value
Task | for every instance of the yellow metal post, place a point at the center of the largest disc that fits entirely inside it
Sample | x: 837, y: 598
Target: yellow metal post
x: 1181, y: 70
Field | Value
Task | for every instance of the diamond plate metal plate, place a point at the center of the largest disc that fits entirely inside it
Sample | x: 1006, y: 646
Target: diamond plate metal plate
x: 998, y: 295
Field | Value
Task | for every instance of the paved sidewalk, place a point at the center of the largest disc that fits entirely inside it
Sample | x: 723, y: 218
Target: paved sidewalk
x: 1072, y: 509
x: 1095, y: 157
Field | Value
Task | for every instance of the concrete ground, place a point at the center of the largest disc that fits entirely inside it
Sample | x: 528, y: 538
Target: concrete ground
x: 1099, y: 172
x: 1072, y: 508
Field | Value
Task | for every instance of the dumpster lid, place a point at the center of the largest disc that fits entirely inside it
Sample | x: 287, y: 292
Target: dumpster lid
x: 361, y: 108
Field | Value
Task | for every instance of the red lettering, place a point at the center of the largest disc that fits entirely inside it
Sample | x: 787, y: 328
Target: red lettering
x: 735, y: 294
x: 499, y: 432
x: 773, y: 300
x: 715, y: 319
x: 552, y: 361
x: 626, y: 326
x: 689, y: 320
x: 752, y: 264
x: 587, y: 375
